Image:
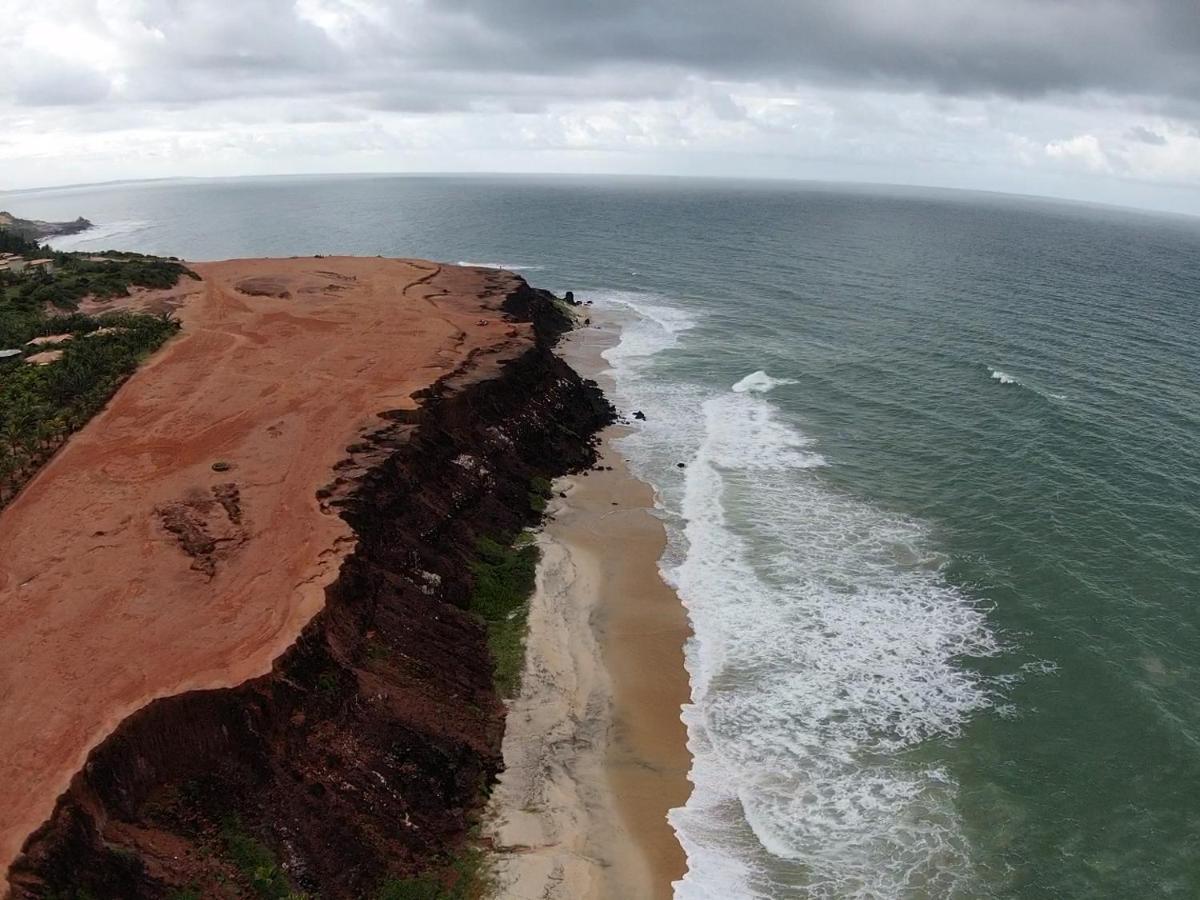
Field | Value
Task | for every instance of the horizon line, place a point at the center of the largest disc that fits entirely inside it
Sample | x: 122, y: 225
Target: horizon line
x: 762, y: 179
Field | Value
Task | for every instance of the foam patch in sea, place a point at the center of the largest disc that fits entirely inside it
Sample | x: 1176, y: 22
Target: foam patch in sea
x: 511, y: 267
x: 1006, y: 379
x: 759, y: 382
x: 1003, y: 377
x: 826, y: 648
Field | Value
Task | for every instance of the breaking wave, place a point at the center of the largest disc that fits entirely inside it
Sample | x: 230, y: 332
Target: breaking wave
x: 1002, y: 377
x: 99, y: 237
x: 760, y: 382
x: 826, y: 647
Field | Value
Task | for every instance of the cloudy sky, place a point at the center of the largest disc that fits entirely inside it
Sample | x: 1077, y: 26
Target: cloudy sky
x: 1091, y: 99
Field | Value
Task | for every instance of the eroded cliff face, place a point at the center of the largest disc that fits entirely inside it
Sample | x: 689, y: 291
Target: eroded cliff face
x: 367, y: 749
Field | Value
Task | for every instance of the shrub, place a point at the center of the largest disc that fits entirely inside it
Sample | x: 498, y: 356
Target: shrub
x: 257, y: 864
x: 539, y: 493
x: 468, y: 876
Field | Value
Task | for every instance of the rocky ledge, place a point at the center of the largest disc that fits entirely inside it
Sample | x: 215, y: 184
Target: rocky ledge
x: 365, y: 753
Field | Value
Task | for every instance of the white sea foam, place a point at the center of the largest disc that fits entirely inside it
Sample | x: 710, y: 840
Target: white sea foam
x: 512, y: 267
x: 99, y: 237
x: 649, y: 325
x: 817, y: 661
x: 825, y: 649
x: 760, y: 382
x: 1003, y: 377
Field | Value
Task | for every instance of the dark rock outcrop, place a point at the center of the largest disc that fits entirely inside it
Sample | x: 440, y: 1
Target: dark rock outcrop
x: 367, y: 749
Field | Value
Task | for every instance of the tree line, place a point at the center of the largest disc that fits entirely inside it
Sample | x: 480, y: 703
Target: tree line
x: 41, y: 405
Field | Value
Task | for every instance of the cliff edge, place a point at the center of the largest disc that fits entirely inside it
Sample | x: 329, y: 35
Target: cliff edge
x: 365, y: 750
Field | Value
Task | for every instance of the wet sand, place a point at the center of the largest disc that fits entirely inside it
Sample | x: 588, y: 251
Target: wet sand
x: 131, y: 570
x: 595, y: 751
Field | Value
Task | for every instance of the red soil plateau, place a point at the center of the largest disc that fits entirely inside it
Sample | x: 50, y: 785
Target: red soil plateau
x: 177, y: 542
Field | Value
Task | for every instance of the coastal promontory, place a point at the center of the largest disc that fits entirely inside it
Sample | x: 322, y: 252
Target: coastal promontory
x: 242, y: 631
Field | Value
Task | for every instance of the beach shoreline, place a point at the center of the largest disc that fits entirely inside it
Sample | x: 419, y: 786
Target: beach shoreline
x: 595, y: 751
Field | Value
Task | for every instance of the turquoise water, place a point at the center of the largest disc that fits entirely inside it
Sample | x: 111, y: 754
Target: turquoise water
x: 941, y: 555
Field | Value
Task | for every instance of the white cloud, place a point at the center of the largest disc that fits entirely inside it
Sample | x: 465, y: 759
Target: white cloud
x: 1083, y: 149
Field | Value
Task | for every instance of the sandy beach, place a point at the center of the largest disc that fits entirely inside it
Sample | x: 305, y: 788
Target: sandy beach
x: 595, y: 752
x: 178, y: 542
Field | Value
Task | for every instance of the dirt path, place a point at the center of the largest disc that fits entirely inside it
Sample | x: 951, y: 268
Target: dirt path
x: 131, y: 570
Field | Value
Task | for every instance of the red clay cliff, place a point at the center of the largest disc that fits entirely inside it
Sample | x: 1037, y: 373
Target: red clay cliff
x: 236, y: 595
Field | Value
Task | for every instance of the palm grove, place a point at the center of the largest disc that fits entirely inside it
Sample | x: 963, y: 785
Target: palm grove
x: 41, y: 405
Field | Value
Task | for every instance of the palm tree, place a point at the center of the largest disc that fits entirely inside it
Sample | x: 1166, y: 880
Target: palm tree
x: 8, y: 468
x: 20, y: 427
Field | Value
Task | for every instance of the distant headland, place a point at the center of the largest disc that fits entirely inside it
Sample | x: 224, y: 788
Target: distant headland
x: 34, y: 229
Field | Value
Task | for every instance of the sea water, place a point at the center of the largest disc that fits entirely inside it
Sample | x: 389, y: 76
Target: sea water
x: 937, y: 527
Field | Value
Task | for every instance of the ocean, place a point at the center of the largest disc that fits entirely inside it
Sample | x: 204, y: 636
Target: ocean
x: 938, y: 524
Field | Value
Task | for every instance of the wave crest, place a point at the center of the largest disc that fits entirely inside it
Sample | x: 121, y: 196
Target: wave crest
x: 1003, y: 377
x: 759, y: 383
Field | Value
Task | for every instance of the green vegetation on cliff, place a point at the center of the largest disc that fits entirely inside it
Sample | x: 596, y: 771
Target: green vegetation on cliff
x: 28, y: 301
x: 466, y: 878
x: 257, y: 864
x: 504, y: 572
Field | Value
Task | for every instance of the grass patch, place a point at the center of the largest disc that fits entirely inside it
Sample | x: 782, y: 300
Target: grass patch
x: 567, y: 311
x: 257, y: 863
x: 469, y: 878
x: 506, y: 641
x: 505, y: 573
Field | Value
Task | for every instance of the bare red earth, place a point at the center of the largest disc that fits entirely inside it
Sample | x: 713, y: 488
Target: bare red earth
x: 178, y: 543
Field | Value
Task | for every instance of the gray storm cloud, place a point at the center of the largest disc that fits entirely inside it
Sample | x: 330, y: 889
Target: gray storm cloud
x: 1019, y: 48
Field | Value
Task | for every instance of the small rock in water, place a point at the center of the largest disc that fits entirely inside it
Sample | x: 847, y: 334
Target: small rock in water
x: 681, y: 465
x: 569, y: 297
x: 640, y: 415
